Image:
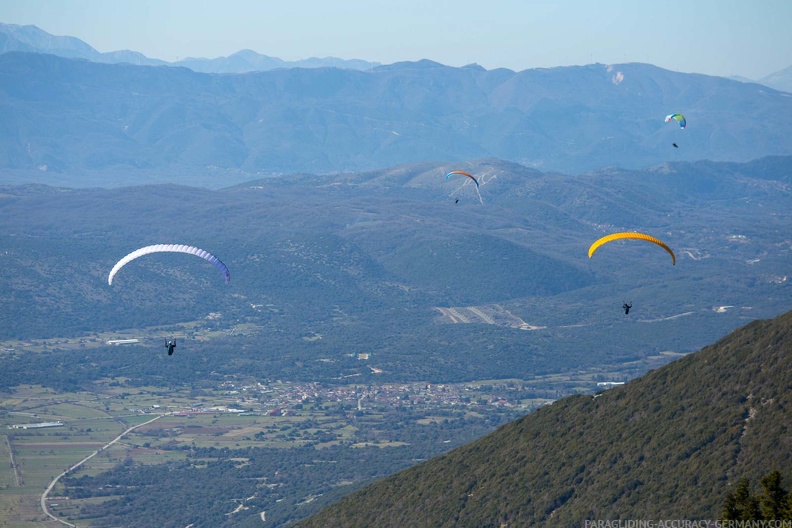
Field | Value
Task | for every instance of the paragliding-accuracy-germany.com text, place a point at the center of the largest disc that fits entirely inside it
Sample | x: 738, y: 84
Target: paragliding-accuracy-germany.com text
x: 685, y: 523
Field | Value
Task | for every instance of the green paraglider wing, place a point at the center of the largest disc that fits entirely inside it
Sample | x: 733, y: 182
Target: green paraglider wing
x: 679, y: 118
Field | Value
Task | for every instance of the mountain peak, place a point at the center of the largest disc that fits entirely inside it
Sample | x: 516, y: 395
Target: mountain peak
x: 32, y: 38
x: 780, y: 80
x: 423, y: 64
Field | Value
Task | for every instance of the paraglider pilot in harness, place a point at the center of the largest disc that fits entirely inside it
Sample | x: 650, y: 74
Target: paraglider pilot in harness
x: 627, y: 307
x: 170, y: 345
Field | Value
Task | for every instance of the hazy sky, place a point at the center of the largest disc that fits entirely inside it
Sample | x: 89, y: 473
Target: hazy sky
x: 717, y: 37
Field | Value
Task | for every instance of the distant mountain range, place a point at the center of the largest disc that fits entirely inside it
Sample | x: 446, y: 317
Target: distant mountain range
x: 669, y: 445
x: 33, y: 39
x: 780, y: 80
x: 120, y: 124
x: 30, y: 38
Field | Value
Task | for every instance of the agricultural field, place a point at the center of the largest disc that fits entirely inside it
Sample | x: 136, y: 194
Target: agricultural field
x: 44, y: 433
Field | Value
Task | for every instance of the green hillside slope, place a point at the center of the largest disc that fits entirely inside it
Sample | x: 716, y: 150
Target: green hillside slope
x: 669, y: 445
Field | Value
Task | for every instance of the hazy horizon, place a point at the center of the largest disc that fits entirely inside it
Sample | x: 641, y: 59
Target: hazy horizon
x: 725, y: 38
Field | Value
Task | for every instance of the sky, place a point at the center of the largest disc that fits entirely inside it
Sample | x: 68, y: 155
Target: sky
x: 714, y: 37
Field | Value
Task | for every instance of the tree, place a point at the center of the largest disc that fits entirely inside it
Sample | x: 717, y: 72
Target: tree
x: 774, y: 501
x: 740, y: 505
x: 773, y: 504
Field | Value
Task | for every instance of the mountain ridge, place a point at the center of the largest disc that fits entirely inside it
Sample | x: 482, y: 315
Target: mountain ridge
x: 780, y: 80
x: 14, y: 37
x: 69, y: 119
